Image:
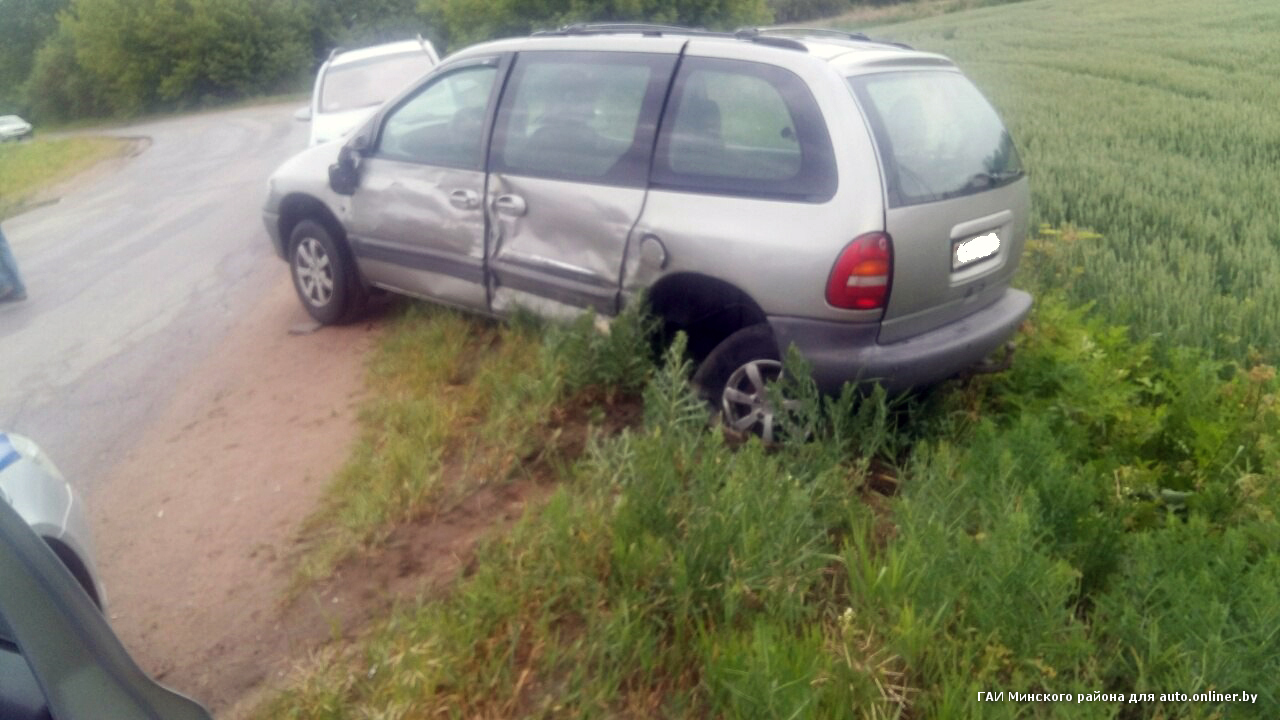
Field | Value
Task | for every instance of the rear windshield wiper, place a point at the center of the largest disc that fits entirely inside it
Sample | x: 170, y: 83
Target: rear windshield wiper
x: 992, y: 179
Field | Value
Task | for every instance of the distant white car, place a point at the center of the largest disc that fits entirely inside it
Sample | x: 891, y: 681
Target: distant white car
x: 352, y: 84
x: 13, y: 127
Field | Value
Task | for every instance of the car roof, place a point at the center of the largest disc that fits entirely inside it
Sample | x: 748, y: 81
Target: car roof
x: 402, y: 47
x: 845, y: 50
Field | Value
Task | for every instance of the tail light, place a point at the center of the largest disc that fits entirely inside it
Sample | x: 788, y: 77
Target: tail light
x: 860, y: 278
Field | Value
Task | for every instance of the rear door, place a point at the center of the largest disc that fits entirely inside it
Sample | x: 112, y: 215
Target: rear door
x: 957, y: 196
x: 416, y: 222
x: 568, y: 171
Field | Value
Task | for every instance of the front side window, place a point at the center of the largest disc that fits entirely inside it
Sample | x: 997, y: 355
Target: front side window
x: 581, y: 116
x: 443, y: 124
x: 370, y: 82
x: 744, y: 128
x: 938, y: 136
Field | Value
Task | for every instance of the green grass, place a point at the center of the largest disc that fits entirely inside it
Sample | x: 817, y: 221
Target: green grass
x: 457, y: 402
x: 1153, y: 123
x: 863, y: 16
x: 1091, y: 520
x: 28, y: 168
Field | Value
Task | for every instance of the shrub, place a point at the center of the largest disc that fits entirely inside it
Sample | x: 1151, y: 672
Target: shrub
x: 151, y: 52
x: 24, y: 27
x: 59, y: 88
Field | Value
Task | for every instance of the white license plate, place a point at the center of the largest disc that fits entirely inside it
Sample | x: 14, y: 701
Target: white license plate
x: 967, y: 252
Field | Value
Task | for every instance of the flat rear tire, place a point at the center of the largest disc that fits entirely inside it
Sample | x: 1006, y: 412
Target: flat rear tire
x: 734, y: 378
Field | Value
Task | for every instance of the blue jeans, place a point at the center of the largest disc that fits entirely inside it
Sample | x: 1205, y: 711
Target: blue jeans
x: 10, y: 282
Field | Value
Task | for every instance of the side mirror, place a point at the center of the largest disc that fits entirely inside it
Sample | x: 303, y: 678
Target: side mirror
x: 344, y: 176
x: 303, y: 114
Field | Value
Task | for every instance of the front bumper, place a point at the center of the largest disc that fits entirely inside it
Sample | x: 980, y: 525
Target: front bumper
x: 847, y: 352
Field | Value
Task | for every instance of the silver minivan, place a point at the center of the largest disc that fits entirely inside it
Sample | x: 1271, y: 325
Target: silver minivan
x: 858, y: 199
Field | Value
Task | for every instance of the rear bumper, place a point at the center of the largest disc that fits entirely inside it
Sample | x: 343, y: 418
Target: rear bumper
x: 845, y: 352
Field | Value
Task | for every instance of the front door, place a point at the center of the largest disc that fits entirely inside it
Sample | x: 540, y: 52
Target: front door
x: 417, y: 222
x: 568, y: 171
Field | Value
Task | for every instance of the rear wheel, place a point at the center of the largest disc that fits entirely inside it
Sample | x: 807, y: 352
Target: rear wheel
x: 324, y: 274
x: 734, y: 378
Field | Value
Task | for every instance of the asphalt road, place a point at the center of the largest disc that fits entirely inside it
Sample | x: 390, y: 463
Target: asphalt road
x: 133, y: 277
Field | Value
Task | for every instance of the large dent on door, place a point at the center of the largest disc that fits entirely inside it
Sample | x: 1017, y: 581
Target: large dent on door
x: 416, y: 199
x: 571, y: 238
x: 560, y: 218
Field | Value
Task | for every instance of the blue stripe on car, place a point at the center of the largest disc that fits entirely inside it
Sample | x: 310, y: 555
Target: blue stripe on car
x: 8, y: 453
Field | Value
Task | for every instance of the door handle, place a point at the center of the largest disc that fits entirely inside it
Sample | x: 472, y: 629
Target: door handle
x: 510, y: 205
x: 464, y: 199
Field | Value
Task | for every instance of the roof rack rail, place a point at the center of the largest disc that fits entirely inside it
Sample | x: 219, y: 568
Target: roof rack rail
x: 642, y: 28
x: 661, y: 30
x: 335, y: 52
x: 825, y: 32
x: 831, y: 32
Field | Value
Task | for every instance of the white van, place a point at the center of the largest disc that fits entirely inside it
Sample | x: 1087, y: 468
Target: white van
x: 352, y: 84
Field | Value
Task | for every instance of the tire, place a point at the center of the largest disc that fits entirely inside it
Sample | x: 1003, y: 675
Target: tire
x: 734, y: 376
x: 324, y: 274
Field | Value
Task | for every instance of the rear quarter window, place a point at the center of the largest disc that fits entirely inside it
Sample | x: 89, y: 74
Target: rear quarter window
x: 937, y: 135
x: 743, y: 128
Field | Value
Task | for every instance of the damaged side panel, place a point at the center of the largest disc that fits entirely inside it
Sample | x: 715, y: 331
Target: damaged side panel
x: 558, y: 248
x: 408, y: 234
x: 568, y: 172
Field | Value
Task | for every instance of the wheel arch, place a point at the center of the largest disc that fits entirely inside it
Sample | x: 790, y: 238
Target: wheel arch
x: 706, y: 308
x: 78, y: 569
x: 297, y: 207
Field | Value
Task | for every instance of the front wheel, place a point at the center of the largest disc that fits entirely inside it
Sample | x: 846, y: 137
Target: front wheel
x: 324, y: 274
x: 735, y: 376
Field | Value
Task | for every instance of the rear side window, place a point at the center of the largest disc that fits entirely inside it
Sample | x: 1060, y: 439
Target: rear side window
x: 744, y: 128
x: 938, y: 136
x: 586, y: 116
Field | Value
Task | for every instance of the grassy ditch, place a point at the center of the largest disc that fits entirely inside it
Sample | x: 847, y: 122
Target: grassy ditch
x: 28, y: 168
x: 1089, y: 521
x: 457, y: 402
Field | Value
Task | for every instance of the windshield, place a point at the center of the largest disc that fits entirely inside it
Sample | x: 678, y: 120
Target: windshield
x: 371, y: 82
x: 938, y: 136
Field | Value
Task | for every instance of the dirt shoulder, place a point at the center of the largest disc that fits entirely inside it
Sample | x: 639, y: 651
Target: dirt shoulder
x: 195, y: 523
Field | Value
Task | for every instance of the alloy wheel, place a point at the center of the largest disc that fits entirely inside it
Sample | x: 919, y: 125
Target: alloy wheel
x: 746, y: 403
x: 314, y: 271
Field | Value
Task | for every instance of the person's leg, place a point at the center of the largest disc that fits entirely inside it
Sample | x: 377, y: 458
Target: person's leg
x: 11, y: 287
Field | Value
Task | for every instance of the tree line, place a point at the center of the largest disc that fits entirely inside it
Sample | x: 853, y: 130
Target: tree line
x: 69, y: 59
